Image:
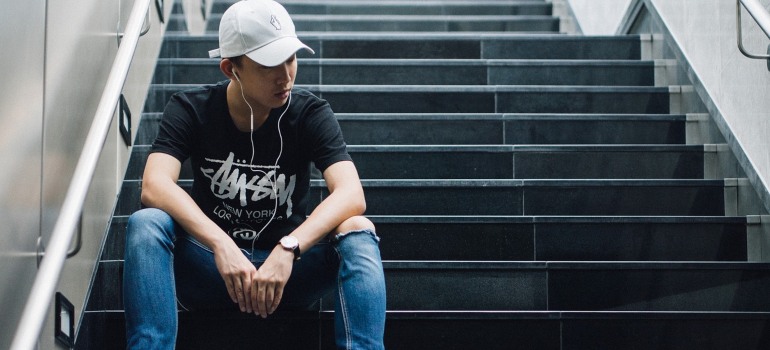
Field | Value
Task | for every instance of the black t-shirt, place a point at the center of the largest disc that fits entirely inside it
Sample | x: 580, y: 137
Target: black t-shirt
x: 241, y: 195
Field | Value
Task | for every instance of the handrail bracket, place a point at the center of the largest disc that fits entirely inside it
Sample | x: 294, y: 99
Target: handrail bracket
x: 762, y: 19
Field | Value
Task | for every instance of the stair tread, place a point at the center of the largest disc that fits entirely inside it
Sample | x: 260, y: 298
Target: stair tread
x: 402, y: 17
x: 418, y: 36
x: 537, y: 219
x: 474, y: 315
x: 511, y: 182
x: 575, y: 265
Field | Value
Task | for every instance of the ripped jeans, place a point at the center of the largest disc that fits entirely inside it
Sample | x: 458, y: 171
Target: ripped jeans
x: 163, y: 265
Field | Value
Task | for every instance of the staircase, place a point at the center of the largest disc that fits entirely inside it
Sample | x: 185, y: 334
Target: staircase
x: 533, y: 190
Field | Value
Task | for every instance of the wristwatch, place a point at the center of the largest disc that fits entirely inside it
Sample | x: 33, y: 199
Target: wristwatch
x: 291, y: 244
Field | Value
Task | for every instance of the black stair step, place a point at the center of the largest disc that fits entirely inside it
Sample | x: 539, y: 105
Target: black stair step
x: 594, y: 129
x: 471, y: 99
x: 424, y: 7
x: 495, y: 129
x: 517, y: 197
x: 528, y: 238
x: 416, y: 23
x: 521, y: 129
x: 434, y: 45
x: 542, y: 286
x: 578, y: 286
x: 431, y: 72
x: 577, y: 330
x: 529, y: 162
x: 507, y: 162
x: 544, y: 197
x: 419, y: 330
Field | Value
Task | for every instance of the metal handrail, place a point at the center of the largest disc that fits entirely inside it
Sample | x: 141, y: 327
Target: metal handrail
x: 47, y: 277
x: 760, y: 15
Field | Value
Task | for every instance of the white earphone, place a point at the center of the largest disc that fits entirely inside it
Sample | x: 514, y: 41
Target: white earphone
x: 251, y: 161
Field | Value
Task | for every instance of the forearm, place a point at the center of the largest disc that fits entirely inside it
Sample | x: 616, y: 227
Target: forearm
x: 345, y: 200
x: 169, y: 197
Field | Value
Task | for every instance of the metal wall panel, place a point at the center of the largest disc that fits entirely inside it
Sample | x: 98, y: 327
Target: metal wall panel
x: 81, y: 44
x: 82, y: 41
x: 22, y: 37
x: 58, y: 57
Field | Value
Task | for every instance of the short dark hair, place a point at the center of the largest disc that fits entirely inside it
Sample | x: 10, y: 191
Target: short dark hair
x: 237, y: 60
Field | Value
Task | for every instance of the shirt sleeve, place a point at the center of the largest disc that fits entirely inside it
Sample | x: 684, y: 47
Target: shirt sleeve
x: 324, y: 137
x: 176, y: 129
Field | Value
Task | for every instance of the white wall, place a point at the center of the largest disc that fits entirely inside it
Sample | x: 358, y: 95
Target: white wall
x: 599, y: 17
x: 739, y: 87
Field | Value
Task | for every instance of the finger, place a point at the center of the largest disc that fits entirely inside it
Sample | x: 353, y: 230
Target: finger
x: 269, y: 294
x: 276, y: 298
x: 247, y: 293
x: 239, y: 294
x: 261, y: 291
x: 231, y: 290
x: 253, y: 295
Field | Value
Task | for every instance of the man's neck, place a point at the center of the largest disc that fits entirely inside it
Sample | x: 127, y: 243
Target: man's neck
x: 240, y: 112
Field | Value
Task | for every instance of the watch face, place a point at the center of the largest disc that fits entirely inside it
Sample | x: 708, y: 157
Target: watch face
x: 289, y: 242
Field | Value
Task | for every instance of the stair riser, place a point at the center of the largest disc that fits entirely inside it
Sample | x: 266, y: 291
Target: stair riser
x: 543, y: 332
x: 554, y: 199
x: 404, y: 8
x: 648, y: 101
x: 541, y: 24
x: 393, y: 46
x: 540, y: 287
x: 457, y: 164
x: 497, y: 131
x: 674, y: 289
x: 595, y: 132
x: 602, y: 241
x: 529, y: 165
x: 312, y: 73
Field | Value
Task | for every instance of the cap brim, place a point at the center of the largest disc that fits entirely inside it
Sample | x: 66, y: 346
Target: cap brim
x: 277, y: 51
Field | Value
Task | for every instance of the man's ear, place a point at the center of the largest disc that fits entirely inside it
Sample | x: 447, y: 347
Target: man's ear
x: 227, y: 66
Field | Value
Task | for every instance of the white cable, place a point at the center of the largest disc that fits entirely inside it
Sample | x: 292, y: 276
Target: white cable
x: 275, y: 176
x: 277, y: 159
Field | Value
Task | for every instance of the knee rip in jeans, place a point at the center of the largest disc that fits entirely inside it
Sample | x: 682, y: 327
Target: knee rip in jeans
x: 342, y: 235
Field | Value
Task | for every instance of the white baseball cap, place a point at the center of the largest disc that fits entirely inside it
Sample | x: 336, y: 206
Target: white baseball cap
x: 260, y: 29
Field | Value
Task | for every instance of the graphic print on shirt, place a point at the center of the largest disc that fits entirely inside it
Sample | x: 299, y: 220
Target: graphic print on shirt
x: 241, y: 186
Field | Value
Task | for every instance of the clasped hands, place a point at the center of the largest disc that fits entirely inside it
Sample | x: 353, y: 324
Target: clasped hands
x: 257, y: 291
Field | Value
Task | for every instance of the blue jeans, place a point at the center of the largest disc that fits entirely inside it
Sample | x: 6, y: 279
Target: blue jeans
x: 164, y: 265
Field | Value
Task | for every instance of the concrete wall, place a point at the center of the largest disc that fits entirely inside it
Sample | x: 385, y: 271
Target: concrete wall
x: 702, y: 36
x: 58, y: 56
x: 599, y: 17
x: 737, y: 88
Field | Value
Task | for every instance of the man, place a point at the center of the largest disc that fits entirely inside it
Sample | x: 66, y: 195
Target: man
x: 236, y: 240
